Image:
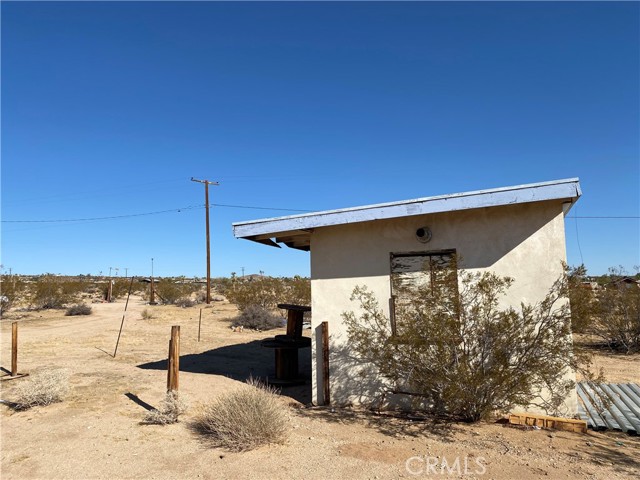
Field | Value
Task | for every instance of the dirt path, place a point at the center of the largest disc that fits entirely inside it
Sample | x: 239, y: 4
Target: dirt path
x: 96, y: 432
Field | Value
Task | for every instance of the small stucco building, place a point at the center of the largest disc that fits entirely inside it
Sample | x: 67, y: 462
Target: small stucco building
x: 516, y: 231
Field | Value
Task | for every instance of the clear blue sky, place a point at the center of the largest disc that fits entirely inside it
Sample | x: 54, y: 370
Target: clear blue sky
x: 109, y: 108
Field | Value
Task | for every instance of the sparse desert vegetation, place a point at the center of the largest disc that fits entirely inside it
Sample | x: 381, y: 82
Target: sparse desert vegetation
x: 172, y: 407
x: 43, y: 387
x: 244, y: 419
x: 266, y: 292
x: 607, y: 308
x: 79, y: 309
x: 257, y: 317
x: 98, y: 429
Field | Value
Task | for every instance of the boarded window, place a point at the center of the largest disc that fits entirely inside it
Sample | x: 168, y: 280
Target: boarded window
x: 414, y: 274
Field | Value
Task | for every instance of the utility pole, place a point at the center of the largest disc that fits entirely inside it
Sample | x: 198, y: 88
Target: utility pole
x: 242, y: 272
x: 126, y: 272
x: 206, y: 204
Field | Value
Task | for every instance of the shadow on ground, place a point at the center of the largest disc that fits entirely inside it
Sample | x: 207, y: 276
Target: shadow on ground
x: 608, y: 450
x: 395, y: 424
x: 241, y: 362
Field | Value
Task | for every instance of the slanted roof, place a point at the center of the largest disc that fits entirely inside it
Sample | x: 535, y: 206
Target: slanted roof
x: 295, y: 230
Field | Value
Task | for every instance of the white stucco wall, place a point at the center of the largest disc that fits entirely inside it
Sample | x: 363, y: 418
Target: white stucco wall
x: 524, y: 241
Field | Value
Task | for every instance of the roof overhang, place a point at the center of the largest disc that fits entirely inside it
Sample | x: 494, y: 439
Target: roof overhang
x: 295, y: 230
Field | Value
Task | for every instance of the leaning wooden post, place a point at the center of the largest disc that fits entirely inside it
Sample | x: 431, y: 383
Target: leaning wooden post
x: 122, y: 322
x: 325, y: 363
x: 14, y: 349
x: 174, y: 359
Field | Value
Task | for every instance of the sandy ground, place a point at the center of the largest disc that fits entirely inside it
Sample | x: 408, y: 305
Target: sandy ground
x: 96, y: 432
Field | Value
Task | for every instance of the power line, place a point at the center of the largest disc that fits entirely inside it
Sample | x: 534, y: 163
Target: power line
x: 189, y: 207
x: 112, y: 217
x: 225, y: 205
x: 260, y: 208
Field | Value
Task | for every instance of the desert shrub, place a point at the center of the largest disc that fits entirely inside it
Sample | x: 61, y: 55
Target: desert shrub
x: 91, y: 288
x: 581, y: 298
x: 612, y: 312
x: 268, y: 292
x: 170, y: 291
x: 147, y: 314
x: 71, y: 286
x: 79, y: 309
x: 120, y: 287
x: 184, y: 302
x: 12, y: 290
x: 172, y: 407
x: 258, y: 318
x: 245, y: 418
x: 52, y: 292
x: 617, y: 317
x: 265, y: 292
x: 460, y: 355
x: 42, y: 387
x: 297, y: 290
x: 221, y: 284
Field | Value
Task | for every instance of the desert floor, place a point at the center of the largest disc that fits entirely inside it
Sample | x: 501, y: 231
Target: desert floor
x: 97, y: 431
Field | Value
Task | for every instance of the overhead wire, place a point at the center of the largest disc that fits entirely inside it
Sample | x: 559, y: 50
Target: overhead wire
x: 578, y: 238
x: 158, y: 212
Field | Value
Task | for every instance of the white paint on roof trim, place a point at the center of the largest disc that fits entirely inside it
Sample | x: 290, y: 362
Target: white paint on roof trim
x: 534, y: 192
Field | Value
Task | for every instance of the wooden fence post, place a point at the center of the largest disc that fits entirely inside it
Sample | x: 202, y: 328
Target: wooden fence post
x: 152, y: 293
x: 325, y: 363
x: 14, y: 349
x: 174, y: 359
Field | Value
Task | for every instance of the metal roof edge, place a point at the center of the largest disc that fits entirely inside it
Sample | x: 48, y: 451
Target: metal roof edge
x: 555, y: 189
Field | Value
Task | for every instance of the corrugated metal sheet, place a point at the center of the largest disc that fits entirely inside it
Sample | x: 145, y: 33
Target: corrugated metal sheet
x: 610, y: 406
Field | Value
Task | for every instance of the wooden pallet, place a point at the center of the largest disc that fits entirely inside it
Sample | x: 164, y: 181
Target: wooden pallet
x: 545, y: 421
